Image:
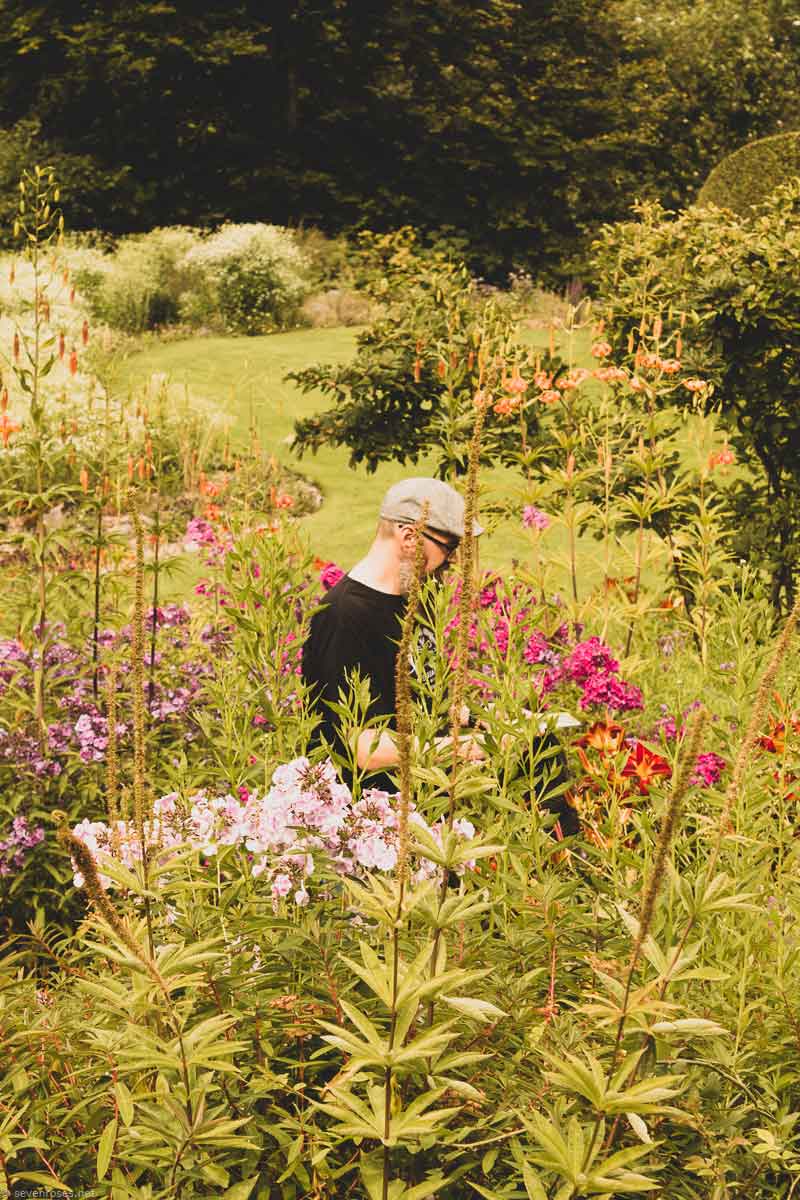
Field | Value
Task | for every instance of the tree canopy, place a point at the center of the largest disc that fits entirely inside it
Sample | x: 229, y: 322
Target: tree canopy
x: 517, y: 125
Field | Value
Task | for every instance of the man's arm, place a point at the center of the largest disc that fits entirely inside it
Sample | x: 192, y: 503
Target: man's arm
x: 377, y: 751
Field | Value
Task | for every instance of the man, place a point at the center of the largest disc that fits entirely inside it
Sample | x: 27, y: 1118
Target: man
x: 359, y: 624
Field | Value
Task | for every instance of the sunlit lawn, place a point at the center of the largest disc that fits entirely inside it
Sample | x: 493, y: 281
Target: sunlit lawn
x: 245, y: 377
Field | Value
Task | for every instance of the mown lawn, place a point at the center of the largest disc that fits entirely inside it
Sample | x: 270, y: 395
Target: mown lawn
x: 245, y: 377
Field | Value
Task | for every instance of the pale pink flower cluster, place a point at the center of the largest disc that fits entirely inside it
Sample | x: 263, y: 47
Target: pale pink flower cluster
x: 307, y: 812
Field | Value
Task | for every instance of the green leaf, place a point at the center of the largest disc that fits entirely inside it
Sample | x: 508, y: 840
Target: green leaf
x: 241, y: 1191
x: 639, y: 1127
x: 691, y: 1026
x: 489, y: 1159
x: 479, y: 1010
x: 216, y: 1174
x: 124, y: 1102
x: 49, y: 1181
x: 106, y: 1147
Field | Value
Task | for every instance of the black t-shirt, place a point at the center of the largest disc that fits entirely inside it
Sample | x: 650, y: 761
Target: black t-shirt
x: 357, y: 628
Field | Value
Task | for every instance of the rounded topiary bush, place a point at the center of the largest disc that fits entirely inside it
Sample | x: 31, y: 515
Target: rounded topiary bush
x: 751, y: 174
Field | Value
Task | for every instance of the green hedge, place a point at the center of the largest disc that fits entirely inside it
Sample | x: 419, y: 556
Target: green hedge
x: 751, y: 174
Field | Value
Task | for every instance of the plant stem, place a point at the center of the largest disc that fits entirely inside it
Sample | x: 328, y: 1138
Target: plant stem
x: 96, y: 620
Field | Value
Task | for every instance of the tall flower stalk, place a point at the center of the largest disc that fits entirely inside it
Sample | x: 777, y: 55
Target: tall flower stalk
x: 404, y: 743
x: 465, y: 604
x: 140, y: 813
x: 40, y: 224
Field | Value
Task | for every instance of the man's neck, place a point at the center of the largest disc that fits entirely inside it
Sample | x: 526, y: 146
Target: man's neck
x: 379, y: 571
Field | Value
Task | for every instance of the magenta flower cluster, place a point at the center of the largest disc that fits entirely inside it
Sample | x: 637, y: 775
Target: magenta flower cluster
x: 511, y: 617
x: 308, y: 819
x: 330, y: 575
x: 707, y: 769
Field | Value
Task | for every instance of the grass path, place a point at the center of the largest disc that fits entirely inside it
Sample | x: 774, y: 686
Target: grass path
x: 245, y: 377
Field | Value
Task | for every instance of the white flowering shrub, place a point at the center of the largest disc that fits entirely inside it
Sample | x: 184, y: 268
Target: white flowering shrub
x: 139, y: 286
x: 252, y: 278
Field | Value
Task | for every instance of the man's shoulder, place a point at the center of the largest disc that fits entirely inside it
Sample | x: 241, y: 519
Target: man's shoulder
x: 351, y: 596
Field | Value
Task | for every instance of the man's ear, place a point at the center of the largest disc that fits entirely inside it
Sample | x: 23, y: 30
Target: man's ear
x: 406, y: 536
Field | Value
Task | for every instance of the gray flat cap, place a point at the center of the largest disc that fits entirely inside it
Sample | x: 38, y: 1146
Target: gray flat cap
x: 405, y: 500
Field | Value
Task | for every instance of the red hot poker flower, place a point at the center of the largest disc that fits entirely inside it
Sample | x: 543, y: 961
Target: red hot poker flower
x: 645, y: 766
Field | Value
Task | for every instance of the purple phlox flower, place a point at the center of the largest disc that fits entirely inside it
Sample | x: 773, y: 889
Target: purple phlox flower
x: 667, y: 728
x: 19, y: 841
x: 538, y: 650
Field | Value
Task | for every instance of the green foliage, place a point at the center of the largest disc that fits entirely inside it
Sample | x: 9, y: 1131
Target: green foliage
x: 86, y: 185
x: 749, y: 176
x: 733, y: 281
x: 139, y: 285
x: 253, y: 277
x: 511, y: 128
x: 436, y: 350
x: 242, y: 279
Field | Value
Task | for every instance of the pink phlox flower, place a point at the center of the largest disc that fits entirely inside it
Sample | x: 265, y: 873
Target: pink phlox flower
x: 538, y: 650
x: 372, y: 849
x: 588, y: 657
x: 534, y: 518
x: 605, y: 689
x: 707, y: 769
x: 330, y: 575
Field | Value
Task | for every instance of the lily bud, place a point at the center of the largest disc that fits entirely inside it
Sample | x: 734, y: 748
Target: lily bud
x: 85, y: 333
x: 62, y: 345
x: 16, y: 347
x: 73, y: 362
x: 84, y: 478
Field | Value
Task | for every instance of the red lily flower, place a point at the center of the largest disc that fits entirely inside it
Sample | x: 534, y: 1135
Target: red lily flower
x: 645, y: 766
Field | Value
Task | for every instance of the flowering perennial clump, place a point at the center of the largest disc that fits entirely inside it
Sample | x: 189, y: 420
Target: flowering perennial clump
x: 19, y: 841
x: 308, y: 818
